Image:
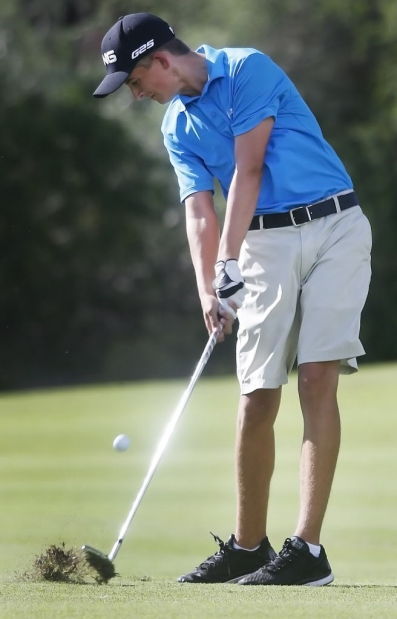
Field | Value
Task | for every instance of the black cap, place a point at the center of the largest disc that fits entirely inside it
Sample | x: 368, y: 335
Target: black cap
x: 131, y: 38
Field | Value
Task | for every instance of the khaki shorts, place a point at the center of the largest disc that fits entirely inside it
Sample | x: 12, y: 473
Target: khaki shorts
x: 305, y: 290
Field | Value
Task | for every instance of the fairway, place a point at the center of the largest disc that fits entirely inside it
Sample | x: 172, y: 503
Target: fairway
x: 61, y: 481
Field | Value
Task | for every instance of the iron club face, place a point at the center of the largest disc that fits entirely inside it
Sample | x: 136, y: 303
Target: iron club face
x: 100, y: 563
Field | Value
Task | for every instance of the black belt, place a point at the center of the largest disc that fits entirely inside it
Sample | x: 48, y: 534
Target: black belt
x: 302, y: 214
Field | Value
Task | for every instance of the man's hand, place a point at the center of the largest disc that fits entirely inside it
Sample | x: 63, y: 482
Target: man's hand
x: 228, y: 285
x: 215, y: 317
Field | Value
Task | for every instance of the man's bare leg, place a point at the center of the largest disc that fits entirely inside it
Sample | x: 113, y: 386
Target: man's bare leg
x: 254, y: 463
x: 318, y: 383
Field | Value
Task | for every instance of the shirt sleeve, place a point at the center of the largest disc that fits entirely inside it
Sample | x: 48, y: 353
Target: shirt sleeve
x: 258, y: 89
x: 191, y: 172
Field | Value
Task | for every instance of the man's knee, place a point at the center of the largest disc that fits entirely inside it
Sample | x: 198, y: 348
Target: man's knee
x: 318, y: 380
x: 259, y: 406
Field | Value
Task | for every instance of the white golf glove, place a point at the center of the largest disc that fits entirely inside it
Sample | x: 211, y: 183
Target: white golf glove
x: 228, y: 285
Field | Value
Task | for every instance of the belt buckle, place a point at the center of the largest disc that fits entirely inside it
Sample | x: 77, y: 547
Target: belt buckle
x: 299, y: 208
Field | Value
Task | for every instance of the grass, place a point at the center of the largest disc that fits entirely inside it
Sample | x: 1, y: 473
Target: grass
x: 62, y: 482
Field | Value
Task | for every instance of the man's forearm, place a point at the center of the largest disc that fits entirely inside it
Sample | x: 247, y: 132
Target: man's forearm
x: 241, y: 205
x: 243, y: 194
x: 203, y: 236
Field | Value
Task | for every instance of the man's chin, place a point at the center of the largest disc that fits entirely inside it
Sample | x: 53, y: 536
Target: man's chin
x: 165, y: 100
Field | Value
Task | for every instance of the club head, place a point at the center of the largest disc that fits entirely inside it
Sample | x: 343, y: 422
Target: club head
x: 100, y: 563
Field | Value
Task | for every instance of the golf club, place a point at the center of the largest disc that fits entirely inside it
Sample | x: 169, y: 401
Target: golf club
x: 103, y: 563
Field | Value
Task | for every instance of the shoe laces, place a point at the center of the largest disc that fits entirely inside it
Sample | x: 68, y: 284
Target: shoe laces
x: 287, y: 555
x: 213, y: 559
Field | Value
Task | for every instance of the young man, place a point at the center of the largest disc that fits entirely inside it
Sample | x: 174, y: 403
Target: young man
x: 293, y: 259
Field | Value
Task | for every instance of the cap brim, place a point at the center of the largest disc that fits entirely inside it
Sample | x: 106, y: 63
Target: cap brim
x: 111, y: 83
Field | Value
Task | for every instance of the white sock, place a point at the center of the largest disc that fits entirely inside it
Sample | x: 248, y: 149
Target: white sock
x: 314, y: 549
x: 237, y: 547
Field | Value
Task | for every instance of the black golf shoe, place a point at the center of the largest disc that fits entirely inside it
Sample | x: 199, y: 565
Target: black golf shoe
x: 294, y: 565
x: 229, y: 564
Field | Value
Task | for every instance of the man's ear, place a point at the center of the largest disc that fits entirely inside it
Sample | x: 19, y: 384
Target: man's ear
x: 162, y: 58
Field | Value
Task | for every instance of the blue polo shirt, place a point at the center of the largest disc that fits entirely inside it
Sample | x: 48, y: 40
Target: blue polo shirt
x: 244, y: 87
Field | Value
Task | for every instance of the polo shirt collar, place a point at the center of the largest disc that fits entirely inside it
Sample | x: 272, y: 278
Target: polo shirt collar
x: 215, y: 62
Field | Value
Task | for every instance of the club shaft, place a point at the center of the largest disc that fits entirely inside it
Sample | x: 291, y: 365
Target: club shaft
x: 162, y: 444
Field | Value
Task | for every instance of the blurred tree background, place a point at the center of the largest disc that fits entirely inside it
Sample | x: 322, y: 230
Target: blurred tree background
x: 95, y: 277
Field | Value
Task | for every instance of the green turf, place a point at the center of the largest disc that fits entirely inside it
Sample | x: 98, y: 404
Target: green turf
x: 62, y: 482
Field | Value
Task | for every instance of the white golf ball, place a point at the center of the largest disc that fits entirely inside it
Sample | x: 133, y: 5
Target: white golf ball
x: 121, y: 442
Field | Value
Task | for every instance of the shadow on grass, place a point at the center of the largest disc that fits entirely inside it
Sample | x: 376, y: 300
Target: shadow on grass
x: 365, y: 586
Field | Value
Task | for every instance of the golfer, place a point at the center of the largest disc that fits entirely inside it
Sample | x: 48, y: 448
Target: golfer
x: 291, y: 260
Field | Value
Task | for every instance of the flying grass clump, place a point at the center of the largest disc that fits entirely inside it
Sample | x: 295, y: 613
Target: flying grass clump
x: 60, y: 564
x: 71, y: 565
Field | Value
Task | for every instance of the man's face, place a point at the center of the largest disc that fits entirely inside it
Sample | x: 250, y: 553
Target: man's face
x: 155, y: 81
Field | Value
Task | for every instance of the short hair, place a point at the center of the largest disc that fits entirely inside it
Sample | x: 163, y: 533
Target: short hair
x: 175, y: 47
